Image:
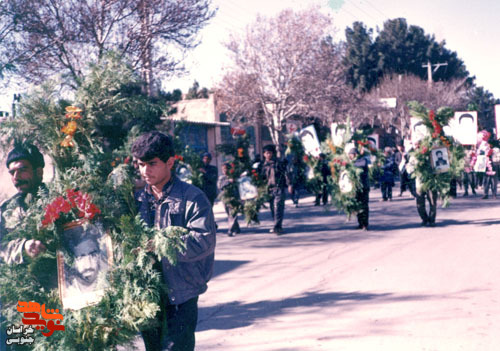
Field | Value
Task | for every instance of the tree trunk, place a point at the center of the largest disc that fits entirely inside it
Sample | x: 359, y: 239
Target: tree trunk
x: 146, y: 55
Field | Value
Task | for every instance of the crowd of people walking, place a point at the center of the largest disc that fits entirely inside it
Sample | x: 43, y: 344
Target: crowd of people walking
x: 285, y: 177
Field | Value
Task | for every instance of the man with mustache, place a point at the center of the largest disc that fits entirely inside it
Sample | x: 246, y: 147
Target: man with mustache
x: 25, y: 164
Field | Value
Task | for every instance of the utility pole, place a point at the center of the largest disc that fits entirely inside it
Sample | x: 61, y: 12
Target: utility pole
x: 17, y: 98
x: 430, y: 71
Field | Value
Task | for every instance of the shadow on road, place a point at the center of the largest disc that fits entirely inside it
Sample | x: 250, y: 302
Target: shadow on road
x: 309, y: 225
x: 236, y: 314
x: 224, y: 266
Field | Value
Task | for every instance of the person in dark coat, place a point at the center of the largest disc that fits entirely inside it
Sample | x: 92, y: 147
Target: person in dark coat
x: 325, y: 172
x: 363, y: 194
x: 210, y: 175
x: 387, y: 179
x: 273, y: 171
x: 168, y: 201
x: 295, y: 172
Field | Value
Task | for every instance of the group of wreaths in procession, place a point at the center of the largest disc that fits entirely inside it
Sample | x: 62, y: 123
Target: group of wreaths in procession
x: 139, y: 251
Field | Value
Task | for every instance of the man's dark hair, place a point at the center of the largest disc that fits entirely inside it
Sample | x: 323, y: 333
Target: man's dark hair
x: 439, y: 152
x: 26, y: 151
x: 151, y: 145
x: 270, y: 147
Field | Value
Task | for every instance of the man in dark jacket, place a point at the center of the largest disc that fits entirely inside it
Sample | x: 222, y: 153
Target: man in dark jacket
x: 387, y: 179
x: 324, y: 170
x: 167, y: 201
x: 273, y: 171
x: 363, y: 194
x: 295, y: 173
x: 210, y: 175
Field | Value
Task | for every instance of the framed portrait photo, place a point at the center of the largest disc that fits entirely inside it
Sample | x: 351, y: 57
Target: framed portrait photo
x: 440, y: 159
x: 345, y: 183
x: 418, y: 130
x: 83, y: 265
x: 247, y: 190
x: 310, y: 141
x: 184, y: 173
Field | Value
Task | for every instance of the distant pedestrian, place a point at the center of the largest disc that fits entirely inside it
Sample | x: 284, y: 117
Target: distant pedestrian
x: 491, y: 174
x: 468, y: 175
x: 226, y: 183
x: 324, y: 170
x: 387, y: 178
x: 273, y: 171
x: 398, y: 157
x: 210, y: 175
x: 295, y: 171
x: 362, y: 194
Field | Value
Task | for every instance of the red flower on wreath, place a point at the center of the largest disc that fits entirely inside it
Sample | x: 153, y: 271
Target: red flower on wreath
x: 75, y: 202
x: 306, y: 158
x: 432, y: 115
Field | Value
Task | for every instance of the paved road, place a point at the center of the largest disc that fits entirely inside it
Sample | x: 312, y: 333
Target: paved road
x: 326, y: 286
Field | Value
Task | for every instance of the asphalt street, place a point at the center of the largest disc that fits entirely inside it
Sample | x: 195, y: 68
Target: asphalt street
x: 327, y: 286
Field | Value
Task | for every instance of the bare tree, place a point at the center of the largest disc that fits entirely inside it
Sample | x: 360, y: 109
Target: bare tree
x: 283, y: 67
x: 63, y: 36
x: 407, y: 88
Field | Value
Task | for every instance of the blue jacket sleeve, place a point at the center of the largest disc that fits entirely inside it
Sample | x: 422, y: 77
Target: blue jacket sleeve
x: 200, y: 222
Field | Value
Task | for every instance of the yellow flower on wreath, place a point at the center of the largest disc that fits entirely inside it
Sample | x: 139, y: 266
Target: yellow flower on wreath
x: 68, y: 141
x: 69, y: 128
x: 73, y: 112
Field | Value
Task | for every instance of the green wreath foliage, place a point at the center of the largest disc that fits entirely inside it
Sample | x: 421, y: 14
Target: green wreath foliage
x: 89, y: 165
x: 427, y: 178
x: 340, y: 162
x: 313, y: 178
x: 132, y: 300
x: 241, y: 165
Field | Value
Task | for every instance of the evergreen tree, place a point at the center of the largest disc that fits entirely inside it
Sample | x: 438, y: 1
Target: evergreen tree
x: 398, y: 49
x: 360, y: 57
x: 196, y: 93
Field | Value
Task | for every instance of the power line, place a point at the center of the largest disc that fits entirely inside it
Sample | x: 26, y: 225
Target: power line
x: 363, y: 11
x: 376, y: 9
x: 350, y: 13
